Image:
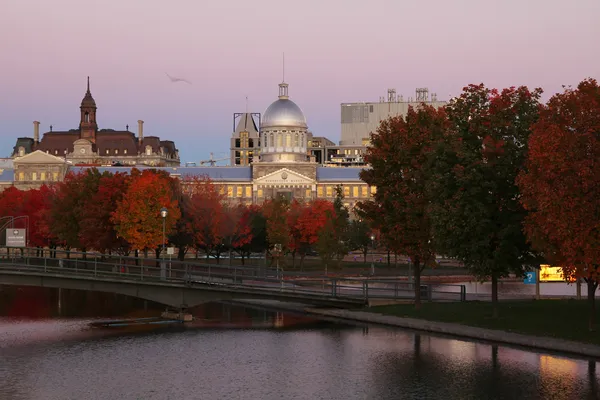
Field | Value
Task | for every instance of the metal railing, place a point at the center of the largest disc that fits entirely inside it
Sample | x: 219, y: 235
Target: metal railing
x: 197, y: 275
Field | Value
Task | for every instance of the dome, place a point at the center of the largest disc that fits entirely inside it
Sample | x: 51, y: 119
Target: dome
x: 283, y: 112
x: 88, y: 101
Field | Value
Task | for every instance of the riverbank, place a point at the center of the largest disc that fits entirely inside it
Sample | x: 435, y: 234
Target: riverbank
x: 554, y: 325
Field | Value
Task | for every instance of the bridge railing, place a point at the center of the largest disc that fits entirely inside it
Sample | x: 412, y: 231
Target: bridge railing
x: 236, y: 277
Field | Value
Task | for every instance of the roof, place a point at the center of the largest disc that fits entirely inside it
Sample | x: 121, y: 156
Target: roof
x: 246, y: 123
x: 227, y: 174
x: 341, y: 174
x: 7, y: 175
x: 6, y: 163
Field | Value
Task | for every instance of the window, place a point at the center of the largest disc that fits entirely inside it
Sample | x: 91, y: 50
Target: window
x: 107, y: 151
x: 346, y: 191
x: 21, y: 176
x: 288, y: 140
x: 222, y: 190
x: 308, y: 193
x: 272, y: 141
x: 296, y: 140
x: 148, y: 150
x: 116, y: 151
x: 373, y: 190
x: 329, y: 191
x: 86, y: 117
x: 43, y: 176
x: 279, y: 139
x: 260, y: 193
x: 34, y: 176
x: 125, y: 151
x: 239, y: 192
x: 55, y: 176
x: 320, y: 191
x: 229, y: 191
x: 364, y: 191
x: 248, y: 191
x: 355, y: 191
x: 21, y: 151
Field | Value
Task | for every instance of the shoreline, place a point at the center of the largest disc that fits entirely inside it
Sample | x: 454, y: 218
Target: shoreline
x: 458, y: 331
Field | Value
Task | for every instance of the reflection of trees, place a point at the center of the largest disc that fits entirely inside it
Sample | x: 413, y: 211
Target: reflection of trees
x: 424, y: 371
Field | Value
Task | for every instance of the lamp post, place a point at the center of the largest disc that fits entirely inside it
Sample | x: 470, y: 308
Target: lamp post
x: 163, y: 213
x: 372, y: 254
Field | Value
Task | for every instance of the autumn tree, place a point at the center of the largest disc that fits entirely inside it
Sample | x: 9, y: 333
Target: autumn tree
x: 96, y: 226
x: 36, y: 205
x: 68, y: 206
x: 313, y: 218
x: 137, y: 217
x: 297, y: 245
x: 208, y: 216
x: 399, y: 154
x: 561, y: 185
x: 276, y: 211
x: 475, y: 212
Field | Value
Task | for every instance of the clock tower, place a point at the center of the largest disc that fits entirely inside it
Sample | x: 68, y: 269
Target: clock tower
x: 88, y: 126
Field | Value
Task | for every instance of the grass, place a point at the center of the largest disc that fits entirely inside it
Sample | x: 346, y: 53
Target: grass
x: 562, y: 319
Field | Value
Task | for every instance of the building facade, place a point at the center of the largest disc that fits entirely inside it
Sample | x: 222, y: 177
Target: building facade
x: 283, y: 162
x: 88, y: 144
x: 360, y: 119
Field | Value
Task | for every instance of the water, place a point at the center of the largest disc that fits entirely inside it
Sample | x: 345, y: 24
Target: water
x: 265, y: 355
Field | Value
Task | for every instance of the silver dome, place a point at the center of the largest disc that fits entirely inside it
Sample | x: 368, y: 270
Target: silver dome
x: 283, y: 112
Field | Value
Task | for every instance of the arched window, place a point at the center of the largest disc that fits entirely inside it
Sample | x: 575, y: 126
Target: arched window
x: 21, y: 151
x: 148, y: 150
x: 272, y: 141
x: 296, y: 140
x: 279, y: 139
x: 288, y: 140
x: 302, y: 144
x: 86, y: 117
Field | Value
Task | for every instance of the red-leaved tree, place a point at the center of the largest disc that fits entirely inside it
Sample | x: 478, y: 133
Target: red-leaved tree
x: 561, y: 185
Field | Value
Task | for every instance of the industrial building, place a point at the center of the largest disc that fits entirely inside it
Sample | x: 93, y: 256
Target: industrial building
x: 360, y: 119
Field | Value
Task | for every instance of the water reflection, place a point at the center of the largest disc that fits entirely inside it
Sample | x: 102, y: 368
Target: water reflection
x: 242, y: 353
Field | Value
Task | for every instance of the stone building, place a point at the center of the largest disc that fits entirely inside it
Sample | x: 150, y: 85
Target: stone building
x: 282, y: 163
x: 88, y: 144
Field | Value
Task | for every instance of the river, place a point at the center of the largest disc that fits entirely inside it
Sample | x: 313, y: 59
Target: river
x: 242, y: 353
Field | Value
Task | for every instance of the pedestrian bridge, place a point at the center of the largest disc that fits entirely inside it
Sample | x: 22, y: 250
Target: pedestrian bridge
x: 187, y: 284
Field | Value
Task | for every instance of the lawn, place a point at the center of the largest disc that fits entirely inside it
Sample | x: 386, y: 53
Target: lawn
x: 563, y: 319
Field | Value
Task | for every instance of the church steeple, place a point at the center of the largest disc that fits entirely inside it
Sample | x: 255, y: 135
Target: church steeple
x: 87, y: 125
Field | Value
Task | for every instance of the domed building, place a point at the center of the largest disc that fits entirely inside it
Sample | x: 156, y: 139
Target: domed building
x: 283, y: 130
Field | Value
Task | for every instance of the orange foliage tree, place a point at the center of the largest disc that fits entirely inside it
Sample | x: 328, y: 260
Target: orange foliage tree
x: 561, y: 184
x: 276, y: 212
x: 238, y: 229
x: 312, y: 220
x: 137, y: 217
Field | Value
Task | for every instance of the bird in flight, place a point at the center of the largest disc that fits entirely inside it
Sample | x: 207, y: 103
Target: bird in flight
x: 174, y: 80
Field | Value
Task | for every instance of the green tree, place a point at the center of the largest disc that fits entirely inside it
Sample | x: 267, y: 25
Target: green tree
x: 475, y: 211
x: 359, y: 236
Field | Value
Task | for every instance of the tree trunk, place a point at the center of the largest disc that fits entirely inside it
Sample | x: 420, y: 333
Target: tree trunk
x: 494, y: 296
x: 388, y: 258
x: 417, y: 272
x: 592, y: 285
x: 181, y: 253
x: 365, y: 254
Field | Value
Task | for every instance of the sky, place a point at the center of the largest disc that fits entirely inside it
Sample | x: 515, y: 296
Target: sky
x: 336, y: 51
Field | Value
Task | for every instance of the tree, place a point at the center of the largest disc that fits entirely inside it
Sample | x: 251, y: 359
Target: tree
x: 238, y: 229
x: 359, y: 236
x: 68, y: 206
x: 296, y: 243
x: 276, y: 211
x: 35, y: 206
x: 137, y: 217
x: 475, y: 211
x: 207, y: 213
x: 399, y: 154
x: 341, y: 222
x: 561, y: 185
x: 312, y: 219
x: 96, y: 228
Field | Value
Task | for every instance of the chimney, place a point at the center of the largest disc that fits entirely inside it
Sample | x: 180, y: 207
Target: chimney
x: 140, y: 130
x: 36, y: 131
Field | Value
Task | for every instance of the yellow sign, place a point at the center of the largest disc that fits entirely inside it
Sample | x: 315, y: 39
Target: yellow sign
x: 549, y: 273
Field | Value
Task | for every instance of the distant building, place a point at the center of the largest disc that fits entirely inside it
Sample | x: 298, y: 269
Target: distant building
x: 88, y: 144
x: 360, y: 119
x: 245, y: 142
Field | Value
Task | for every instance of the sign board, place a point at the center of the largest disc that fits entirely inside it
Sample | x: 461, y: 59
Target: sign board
x: 529, y: 278
x: 550, y: 273
x: 16, y: 237
x: 170, y: 251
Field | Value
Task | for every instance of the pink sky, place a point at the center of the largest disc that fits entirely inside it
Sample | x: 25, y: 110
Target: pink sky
x: 336, y: 51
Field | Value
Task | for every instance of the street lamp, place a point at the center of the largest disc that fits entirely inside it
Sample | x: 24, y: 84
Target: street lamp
x: 163, y: 214
x: 373, y: 255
